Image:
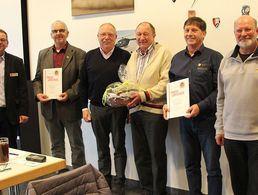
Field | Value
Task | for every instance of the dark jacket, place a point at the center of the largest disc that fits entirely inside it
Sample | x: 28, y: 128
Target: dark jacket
x: 71, y: 109
x: 16, y: 92
x: 201, y: 69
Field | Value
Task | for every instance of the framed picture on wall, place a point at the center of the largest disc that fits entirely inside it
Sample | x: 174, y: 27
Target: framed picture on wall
x: 82, y: 7
x: 126, y: 40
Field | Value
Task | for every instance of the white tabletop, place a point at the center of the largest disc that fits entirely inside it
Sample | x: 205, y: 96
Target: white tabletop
x: 21, y: 170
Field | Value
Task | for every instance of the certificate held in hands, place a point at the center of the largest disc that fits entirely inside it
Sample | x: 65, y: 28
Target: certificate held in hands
x: 178, y: 98
x: 52, y: 82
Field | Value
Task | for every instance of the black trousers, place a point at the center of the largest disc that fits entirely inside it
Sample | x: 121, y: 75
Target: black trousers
x: 7, y: 129
x: 106, y: 121
x: 243, y: 162
x: 149, y: 133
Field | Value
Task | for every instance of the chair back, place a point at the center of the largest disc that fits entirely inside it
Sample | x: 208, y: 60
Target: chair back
x: 85, y: 180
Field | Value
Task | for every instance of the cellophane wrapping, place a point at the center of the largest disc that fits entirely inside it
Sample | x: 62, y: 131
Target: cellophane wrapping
x: 118, y: 94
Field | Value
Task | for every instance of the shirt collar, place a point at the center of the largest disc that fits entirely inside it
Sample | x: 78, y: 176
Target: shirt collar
x: 197, y: 52
x: 236, y: 51
x: 106, y: 56
x: 150, y: 48
x: 63, y: 49
x: 3, y: 56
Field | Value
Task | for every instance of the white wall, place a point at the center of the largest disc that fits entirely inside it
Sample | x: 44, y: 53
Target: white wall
x: 168, y: 18
x: 11, y: 22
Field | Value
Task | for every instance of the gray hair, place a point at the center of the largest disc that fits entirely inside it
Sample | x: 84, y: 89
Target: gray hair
x: 150, y: 25
x: 59, y: 21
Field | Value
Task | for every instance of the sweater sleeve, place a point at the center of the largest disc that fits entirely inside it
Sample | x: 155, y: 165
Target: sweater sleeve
x: 83, y: 85
x: 219, y: 126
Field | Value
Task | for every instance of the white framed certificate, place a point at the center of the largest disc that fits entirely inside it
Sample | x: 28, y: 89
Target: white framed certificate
x: 178, y: 98
x: 52, y: 82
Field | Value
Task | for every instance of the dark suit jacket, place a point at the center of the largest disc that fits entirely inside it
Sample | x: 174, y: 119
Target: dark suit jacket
x: 16, y: 92
x: 71, y: 109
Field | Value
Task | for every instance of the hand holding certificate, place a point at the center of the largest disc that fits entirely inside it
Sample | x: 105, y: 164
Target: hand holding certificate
x: 52, y: 82
x: 178, y: 98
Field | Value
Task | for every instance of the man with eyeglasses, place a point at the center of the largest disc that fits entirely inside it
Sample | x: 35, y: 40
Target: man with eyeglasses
x: 63, y: 113
x: 237, y: 107
x: 13, y: 93
x: 100, y: 69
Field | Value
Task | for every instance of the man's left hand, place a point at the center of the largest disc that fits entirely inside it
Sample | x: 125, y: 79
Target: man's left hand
x: 193, y: 111
x: 135, y: 100
x: 63, y: 97
x: 23, y: 119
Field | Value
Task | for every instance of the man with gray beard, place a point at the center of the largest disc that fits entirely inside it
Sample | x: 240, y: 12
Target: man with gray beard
x: 237, y: 107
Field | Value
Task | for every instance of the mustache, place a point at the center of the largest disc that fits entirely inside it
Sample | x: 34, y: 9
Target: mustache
x: 245, y: 39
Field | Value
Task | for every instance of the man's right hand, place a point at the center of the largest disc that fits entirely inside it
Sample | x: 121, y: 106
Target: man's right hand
x: 86, y: 115
x: 219, y: 139
x: 165, y: 111
x: 42, y: 97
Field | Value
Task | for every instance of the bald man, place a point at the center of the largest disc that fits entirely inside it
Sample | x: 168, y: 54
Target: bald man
x: 237, y: 107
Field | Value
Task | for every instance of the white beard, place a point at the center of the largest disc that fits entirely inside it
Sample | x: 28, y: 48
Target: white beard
x: 245, y: 43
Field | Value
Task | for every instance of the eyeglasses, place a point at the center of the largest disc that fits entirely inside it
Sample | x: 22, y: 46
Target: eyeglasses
x: 3, y: 40
x: 58, y: 30
x: 106, y: 34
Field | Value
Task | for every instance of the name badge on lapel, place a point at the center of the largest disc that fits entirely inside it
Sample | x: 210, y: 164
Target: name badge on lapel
x: 14, y: 74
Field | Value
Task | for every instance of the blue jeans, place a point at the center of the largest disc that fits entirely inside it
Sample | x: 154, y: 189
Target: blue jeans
x: 196, y: 140
x: 243, y: 162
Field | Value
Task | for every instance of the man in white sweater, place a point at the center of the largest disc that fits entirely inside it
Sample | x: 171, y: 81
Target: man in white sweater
x: 237, y: 107
x: 148, y: 68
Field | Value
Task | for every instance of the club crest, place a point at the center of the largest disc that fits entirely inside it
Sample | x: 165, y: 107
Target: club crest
x: 245, y: 10
x: 216, y: 21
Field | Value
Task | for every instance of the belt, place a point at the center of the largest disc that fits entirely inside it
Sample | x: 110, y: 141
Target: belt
x: 152, y: 105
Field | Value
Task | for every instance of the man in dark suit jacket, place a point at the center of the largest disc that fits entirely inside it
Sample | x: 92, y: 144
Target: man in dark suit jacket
x: 13, y: 92
x: 63, y: 113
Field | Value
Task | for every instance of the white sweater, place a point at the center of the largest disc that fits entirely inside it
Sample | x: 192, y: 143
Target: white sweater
x: 237, y: 100
x: 153, y: 79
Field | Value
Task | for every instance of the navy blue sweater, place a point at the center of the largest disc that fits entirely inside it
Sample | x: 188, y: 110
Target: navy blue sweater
x: 97, y: 73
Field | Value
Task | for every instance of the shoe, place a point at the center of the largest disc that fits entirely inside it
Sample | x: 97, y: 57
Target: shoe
x: 146, y: 192
x: 118, y: 189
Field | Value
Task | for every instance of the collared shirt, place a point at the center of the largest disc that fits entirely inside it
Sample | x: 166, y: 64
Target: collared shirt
x: 142, y: 60
x: 58, y: 56
x: 201, y: 69
x: 2, y: 91
x: 106, y: 56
